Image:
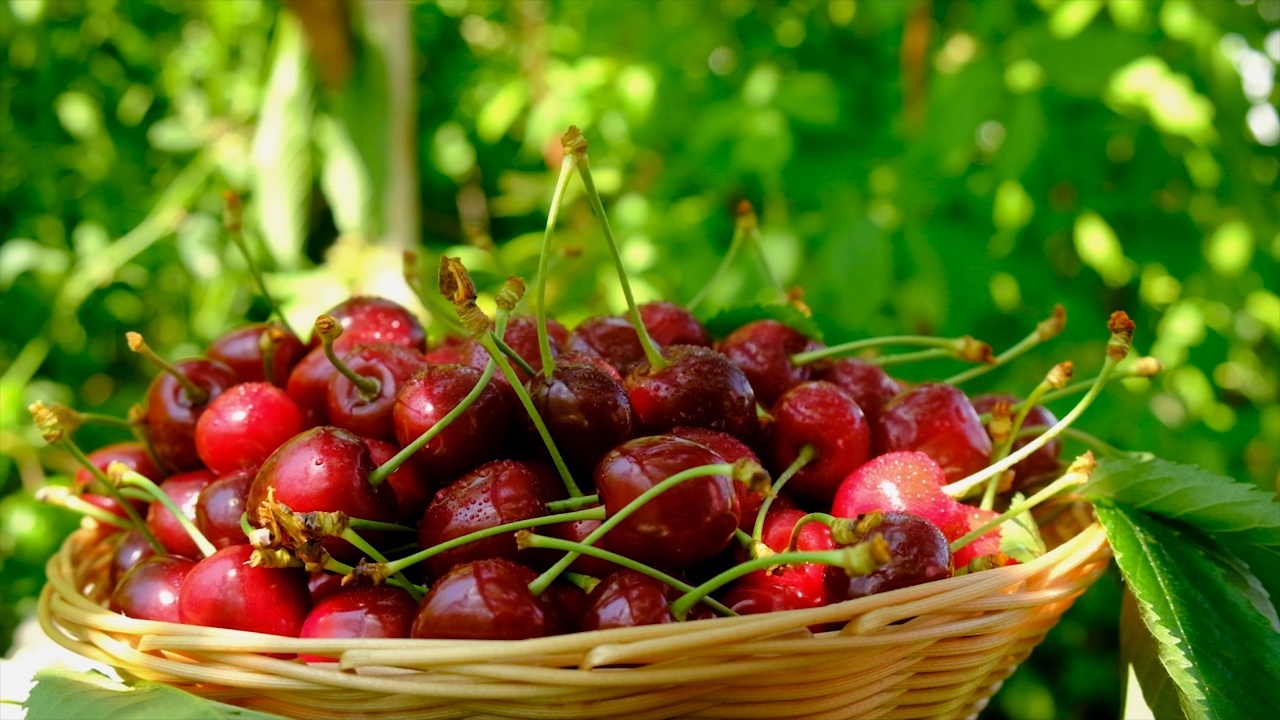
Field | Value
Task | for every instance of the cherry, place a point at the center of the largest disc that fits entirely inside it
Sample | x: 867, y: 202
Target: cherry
x: 763, y: 350
x: 938, y: 420
x: 918, y: 554
x: 149, y: 591
x: 495, y: 493
x: 611, y: 338
x: 522, y: 337
x: 986, y: 544
x: 626, y: 599
x: 133, y: 455
x: 322, y: 584
x: 245, y: 424
x: 820, y: 414
x: 732, y: 450
x: 220, y: 505
x: 585, y: 409
x: 361, y: 612
x: 867, y: 383
x: 225, y: 591
x: 486, y: 600
x: 685, y: 525
x: 901, y: 482
x: 410, y: 482
x: 448, y: 351
x: 325, y: 469
x: 370, y: 414
x: 791, y: 587
x: 670, y: 324
x: 132, y: 549
x: 1043, y: 461
x: 184, y: 490
x: 367, y: 320
x: 577, y: 531
x: 474, y: 437
x: 698, y: 387
x: 308, y: 385
x: 241, y: 350
x: 171, y: 414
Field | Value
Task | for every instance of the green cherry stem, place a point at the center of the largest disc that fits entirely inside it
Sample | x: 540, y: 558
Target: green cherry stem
x: 1046, y: 329
x: 1079, y: 472
x: 122, y: 475
x: 196, y: 394
x: 363, y: 546
x: 1143, y: 367
x: 329, y: 329
x: 1117, y: 348
x: 574, y: 143
x: 574, y: 503
x: 540, y: 584
x: 231, y: 220
x: 965, y: 348
x: 360, y: 524
x: 529, y: 539
x: 1057, y: 378
x: 1094, y: 443
x: 60, y: 496
x: 804, y: 457
x: 735, y: 246
x: 567, y: 165
x: 512, y: 355
x: 863, y: 558
x: 434, y: 303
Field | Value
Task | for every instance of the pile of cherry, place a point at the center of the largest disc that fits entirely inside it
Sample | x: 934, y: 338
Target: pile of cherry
x: 278, y: 459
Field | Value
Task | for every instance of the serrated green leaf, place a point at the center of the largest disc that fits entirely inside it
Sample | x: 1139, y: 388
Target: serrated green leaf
x: 1220, y: 652
x: 61, y: 694
x: 1138, y: 653
x: 1189, y: 494
x: 1020, y: 535
x: 730, y: 319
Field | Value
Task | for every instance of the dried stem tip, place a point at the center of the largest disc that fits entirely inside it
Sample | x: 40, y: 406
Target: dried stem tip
x: 1060, y: 375
x: 1052, y: 326
x: 53, y: 421
x: 1001, y: 421
x: 366, y: 573
x: 234, y: 211
x: 1147, y: 367
x: 328, y: 328
x: 510, y: 293
x: 974, y: 351
x: 1121, y: 341
x: 455, y: 281
x: 1083, y: 465
x: 273, y: 558
x: 745, y: 216
x: 573, y: 141
x: 752, y: 475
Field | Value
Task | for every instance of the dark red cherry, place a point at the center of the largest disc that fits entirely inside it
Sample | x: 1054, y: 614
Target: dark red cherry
x: 225, y: 591
x: 611, y: 338
x: 867, y: 383
x: 1043, y: 461
x: 241, y: 427
x: 411, y: 483
x: 626, y: 599
x: 361, y: 612
x: 220, y: 505
x: 901, y: 482
x: 939, y: 421
x: 699, y: 388
x: 685, y: 525
x: 822, y: 415
x: 521, y: 336
x: 495, y: 493
x: 390, y: 366
x: 670, y: 324
x: 732, y: 450
x: 149, y: 591
x: 322, y: 584
x: 241, y: 350
x: 474, y: 437
x: 132, y: 549
x: 184, y: 490
x: 171, y: 416
x: 366, y: 320
x: 918, y: 553
x: 763, y: 350
x: 585, y: 409
x: 578, y: 531
x: 308, y: 385
x: 486, y: 600
x: 326, y: 469
x: 134, y: 456
x: 987, y: 544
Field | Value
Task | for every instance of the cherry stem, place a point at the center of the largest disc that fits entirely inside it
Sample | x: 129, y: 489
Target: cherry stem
x: 1093, y: 442
x: 1117, y: 348
x: 529, y: 539
x: 596, y: 513
x: 340, y: 568
x: 138, y: 424
x: 62, y: 497
x: 232, y: 222
x: 512, y: 355
x: 540, y: 583
x: 1046, y: 329
x: 433, y: 301
x: 245, y: 526
x: 196, y: 394
x: 963, y: 347
x: 1077, y: 474
x: 359, y: 524
x: 381, y: 472
x: 1145, y: 367
x: 585, y: 583
x: 863, y: 558
x: 363, y: 546
x: 567, y: 164
x: 329, y: 330
x: 575, y: 144
x: 122, y: 475
x: 735, y: 245
x: 135, y: 494
x: 1057, y: 377
x: 573, y: 503
x: 807, y: 453
x: 107, y: 420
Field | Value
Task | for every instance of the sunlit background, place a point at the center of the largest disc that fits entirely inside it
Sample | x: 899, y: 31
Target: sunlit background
x: 941, y: 167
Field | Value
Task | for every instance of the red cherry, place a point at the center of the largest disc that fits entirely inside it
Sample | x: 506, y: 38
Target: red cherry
x: 241, y: 350
x: 918, y: 553
x: 732, y: 450
x: 171, y: 416
x: 867, y: 383
x: 367, y: 320
x: 448, y: 351
x: 225, y: 591
x: 410, y: 481
x: 390, y: 366
x: 308, y: 385
x: 988, y: 543
x: 901, y: 482
x: 220, y: 505
x: 578, y: 531
x: 585, y: 409
x: 241, y: 427
x: 521, y: 336
x: 149, y: 591
x: 360, y: 612
x: 791, y: 587
x: 474, y: 437
x: 939, y: 421
x: 626, y: 599
x: 134, y: 456
x: 1043, y: 461
x: 670, y: 324
x: 699, y: 387
x: 184, y: 490
x: 822, y: 415
x: 486, y: 600
x: 763, y: 350
x: 322, y: 584
x: 132, y: 549
x: 611, y: 338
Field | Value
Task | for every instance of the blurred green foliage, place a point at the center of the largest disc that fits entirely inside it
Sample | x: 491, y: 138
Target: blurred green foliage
x: 940, y: 167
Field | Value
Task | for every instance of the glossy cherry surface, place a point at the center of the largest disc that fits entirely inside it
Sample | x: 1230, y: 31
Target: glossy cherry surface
x: 685, y: 525
x: 171, y: 416
x: 789, y: 587
x: 939, y: 421
x: 901, y: 482
x: 382, y: 611
x: 763, y: 350
x: 988, y: 543
x: 411, y: 483
x: 1043, y: 461
x: 486, y: 600
x: 131, y: 549
x: 867, y: 383
x: 224, y: 591
x: 149, y: 591
x: 822, y: 415
x: 474, y: 437
x: 366, y: 320
x: 134, y: 456
x: 586, y: 410
x: 732, y: 450
x: 522, y: 337
x: 918, y: 553
x: 220, y: 505
x: 308, y: 385
x: 241, y: 427
x: 241, y: 350
x: 626, y: 599
x: 184, y: 490
x: 388, y: 365
x: 699, y: 388
x: 609, y: 337
x: 670, y: 324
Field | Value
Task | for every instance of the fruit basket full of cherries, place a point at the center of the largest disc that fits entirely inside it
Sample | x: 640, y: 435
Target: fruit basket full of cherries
x: 637, y: 518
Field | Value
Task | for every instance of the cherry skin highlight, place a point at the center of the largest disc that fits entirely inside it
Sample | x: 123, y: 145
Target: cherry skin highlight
x: 224, y: 591
x: 387, y: 364
x: 918, y: 554
x: 241, y: 350
x: 245, y: 424
x: 824, y: 416
x: 699, y: 388
x: 171, y: 416
x: 486, y: 600
x: 473, y: 438
x: 939, y: 421
x: 149, y: 591
x: 901, y: 482
x: 220, y: 505
x: 360, y: 612
x: 626, y: 599
x: 669, y: 324
x: 367, y: 320
x: 184, y: 490
x: 763, y: 350
x: 586, y: 410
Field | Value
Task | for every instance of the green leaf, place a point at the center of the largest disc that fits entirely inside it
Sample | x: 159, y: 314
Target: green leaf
x: 60, y: 694
x: 1139, y: 654
x: 1219, y: 651
x: 1213, y: 503
x: 730, y: 319
x: 1020, y: 535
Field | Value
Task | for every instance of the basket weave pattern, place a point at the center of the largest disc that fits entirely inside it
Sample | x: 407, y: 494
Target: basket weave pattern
x: 938, y: 650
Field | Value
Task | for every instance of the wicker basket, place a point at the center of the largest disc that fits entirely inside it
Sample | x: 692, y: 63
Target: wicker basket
x: 939, y: 650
